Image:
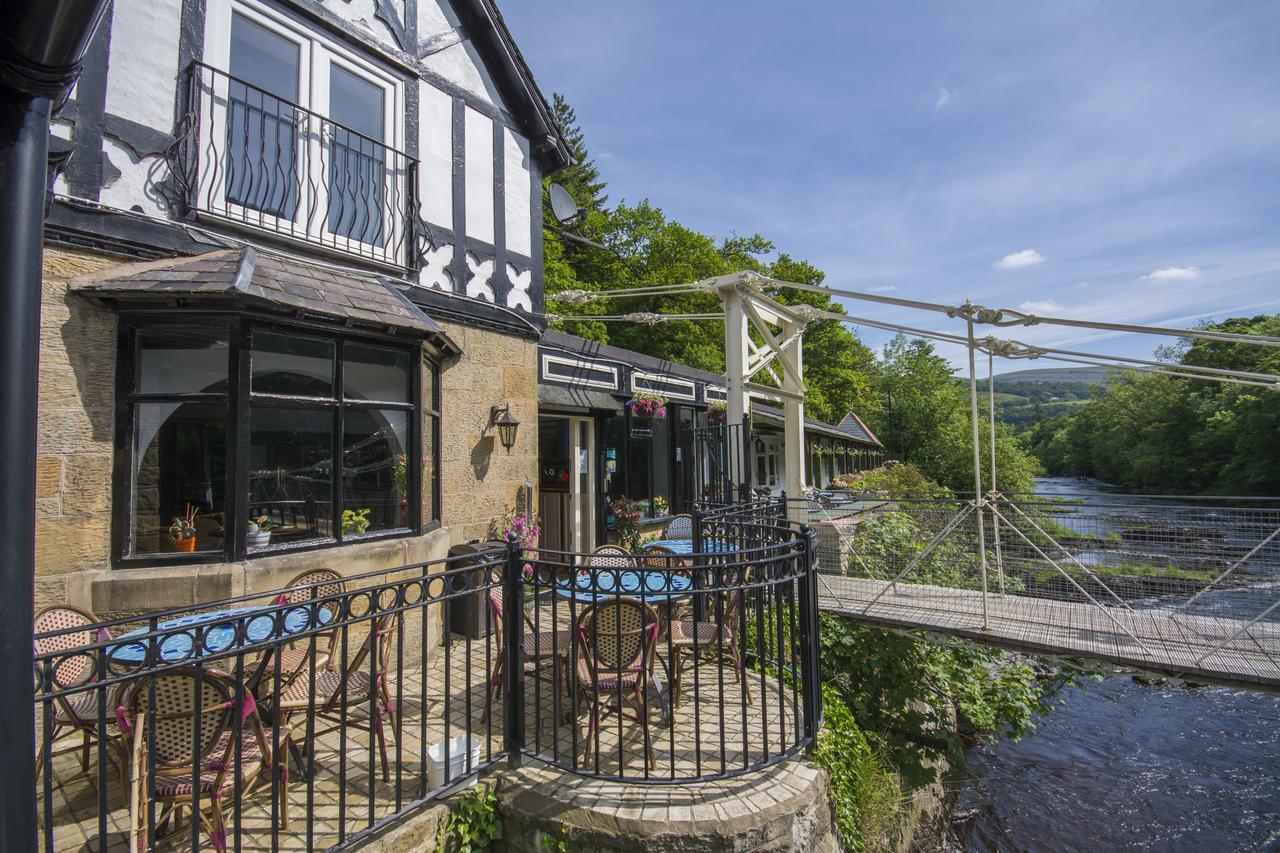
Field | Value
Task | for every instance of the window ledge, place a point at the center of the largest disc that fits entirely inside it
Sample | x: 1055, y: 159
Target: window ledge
x: 116, y: 592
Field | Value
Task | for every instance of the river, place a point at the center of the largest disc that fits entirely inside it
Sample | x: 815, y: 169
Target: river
x: 1121, y: 765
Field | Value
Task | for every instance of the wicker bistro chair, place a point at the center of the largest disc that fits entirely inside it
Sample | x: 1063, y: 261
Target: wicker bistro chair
x: 337, y: 696
x: 678, y: 527
x: 313, y: 584
x: 712, y: 640
x: 616, y: 639
x: 657, y: 558
x: 76, y: 714
x: 164, y: 747
x: 536, y: 646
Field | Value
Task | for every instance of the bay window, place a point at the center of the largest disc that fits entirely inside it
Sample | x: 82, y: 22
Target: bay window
x: 267, y: 438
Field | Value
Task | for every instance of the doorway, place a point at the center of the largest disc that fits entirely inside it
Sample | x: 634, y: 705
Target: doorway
x: 567, y: 475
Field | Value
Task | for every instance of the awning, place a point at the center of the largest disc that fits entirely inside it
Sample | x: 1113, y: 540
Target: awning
x: 568, y: 397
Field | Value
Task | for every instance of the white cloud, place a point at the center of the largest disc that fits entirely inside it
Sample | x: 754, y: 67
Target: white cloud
x: 1018, y: 260
x: 1173, y: 274
x: 942, y: 98
x: 884, y: 288
x: 1040, y: 306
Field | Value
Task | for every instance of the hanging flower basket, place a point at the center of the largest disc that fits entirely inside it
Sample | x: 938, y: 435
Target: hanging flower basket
x: 648, y: 405
x: 717, y: 414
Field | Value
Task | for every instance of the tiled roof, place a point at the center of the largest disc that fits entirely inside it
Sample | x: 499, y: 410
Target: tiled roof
x: 759, y: 411
x: 582, y: 346
x: 852, y: 425
x: 266, y: 281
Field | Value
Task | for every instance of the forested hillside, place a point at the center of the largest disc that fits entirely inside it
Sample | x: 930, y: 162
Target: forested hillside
x: 909, y: 396
x: 1179, y: 436
x: 1025, y: 397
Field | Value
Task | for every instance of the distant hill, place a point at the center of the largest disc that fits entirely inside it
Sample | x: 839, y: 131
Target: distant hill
x: 1087, y: 375
x: 1025, y: 396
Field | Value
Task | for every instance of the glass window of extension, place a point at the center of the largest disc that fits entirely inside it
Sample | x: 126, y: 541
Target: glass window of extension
x: 322, y: 444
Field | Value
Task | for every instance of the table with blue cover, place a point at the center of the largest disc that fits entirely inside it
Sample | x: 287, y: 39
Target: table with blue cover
x: 684, y: 547
x: 656, y: 586
x: 220, y: 637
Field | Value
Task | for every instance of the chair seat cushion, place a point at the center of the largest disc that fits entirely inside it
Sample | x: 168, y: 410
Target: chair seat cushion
x: 684, y: 632
x: 250, y: 764
x: 328, y: 683
x: 546, y: 644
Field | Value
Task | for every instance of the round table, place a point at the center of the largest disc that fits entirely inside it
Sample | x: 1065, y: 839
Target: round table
x: 219, y: 637
x: 604, y: 583
x: 684, y: 547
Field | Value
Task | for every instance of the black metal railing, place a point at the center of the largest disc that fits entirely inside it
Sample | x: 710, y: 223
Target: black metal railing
x: 322, y: 713
x: 247, y: 155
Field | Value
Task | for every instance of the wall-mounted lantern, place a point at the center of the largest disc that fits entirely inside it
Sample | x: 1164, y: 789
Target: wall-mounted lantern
x: 500, y: 417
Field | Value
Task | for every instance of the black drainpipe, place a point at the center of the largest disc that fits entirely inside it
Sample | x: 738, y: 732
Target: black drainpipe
x: 42, y: 44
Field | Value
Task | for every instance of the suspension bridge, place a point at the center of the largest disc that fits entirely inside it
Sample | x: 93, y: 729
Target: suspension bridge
x: 1182, y: 589
x: 1189, y: 588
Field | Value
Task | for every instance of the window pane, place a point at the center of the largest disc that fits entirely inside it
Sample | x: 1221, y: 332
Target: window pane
x: 430, y: 430
x: 290, y: 472
x: 375, y: 373
x: 175, y: 361
x: 292, y: 364
x: 179, y: 461
x: 262, y: 121
x: 375, y: 470
x: 357, y: 159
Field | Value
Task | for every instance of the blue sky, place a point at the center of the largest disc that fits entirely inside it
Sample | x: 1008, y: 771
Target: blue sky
x: 1116, y: 161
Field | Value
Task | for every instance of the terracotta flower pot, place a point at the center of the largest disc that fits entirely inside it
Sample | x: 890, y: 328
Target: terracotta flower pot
x: 188, y: 544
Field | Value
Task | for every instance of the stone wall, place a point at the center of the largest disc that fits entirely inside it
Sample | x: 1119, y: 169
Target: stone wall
x: 479, y: 479
x: 75, y: 437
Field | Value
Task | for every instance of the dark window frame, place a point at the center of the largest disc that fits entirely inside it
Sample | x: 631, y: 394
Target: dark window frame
x: 423, y: 367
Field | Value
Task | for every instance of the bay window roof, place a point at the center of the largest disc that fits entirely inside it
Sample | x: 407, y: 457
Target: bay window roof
x: 244, y: 278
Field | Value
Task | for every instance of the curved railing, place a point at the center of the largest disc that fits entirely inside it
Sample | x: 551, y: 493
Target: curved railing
x: 715, y: 673
x: 378, y: 692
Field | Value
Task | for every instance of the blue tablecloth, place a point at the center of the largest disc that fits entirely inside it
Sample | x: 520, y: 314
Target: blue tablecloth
x: 218, y: 638
x: 607, y: 583
x: 684, y: 547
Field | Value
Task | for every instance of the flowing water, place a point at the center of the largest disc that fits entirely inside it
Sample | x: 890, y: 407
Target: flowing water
x: 1121, y: 765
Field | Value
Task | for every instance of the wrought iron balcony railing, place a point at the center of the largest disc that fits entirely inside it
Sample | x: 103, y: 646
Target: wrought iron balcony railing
x: 248, y: 156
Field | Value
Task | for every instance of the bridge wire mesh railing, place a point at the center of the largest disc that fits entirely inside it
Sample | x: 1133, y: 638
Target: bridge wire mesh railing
x: 1180, y: 584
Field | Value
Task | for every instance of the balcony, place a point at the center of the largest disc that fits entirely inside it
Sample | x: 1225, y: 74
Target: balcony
x: 250, y: 158
x: 319, y: 715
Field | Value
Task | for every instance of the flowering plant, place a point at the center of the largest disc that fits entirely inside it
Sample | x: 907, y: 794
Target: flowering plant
x: 514, y: 525
x: 660, y: 505
x: 717, y: 414
x: 648, y: 405
x: 626, y: 522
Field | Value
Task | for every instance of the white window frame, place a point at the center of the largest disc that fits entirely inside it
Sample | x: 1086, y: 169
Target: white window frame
x: 316, y: 56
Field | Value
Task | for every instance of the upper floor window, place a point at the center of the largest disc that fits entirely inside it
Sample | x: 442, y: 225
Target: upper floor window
x: 296, y: 135
x: 267, y: 438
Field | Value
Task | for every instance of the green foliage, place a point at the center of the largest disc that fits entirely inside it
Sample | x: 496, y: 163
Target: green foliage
x: 901, y: 688
x: 473, y: 821
x: 864, y: 788
x: 355, y: 520
x: 895, y: 480
x: 1157, y: 433
x: 926, y: 419
x: 887, y: 542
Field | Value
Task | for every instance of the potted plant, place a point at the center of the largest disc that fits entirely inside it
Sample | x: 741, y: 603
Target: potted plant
x: 183, y: 530
x: 660, y: 505
x: 355, y: 520
x: 260, y: 531
x: 626, y: 522
x: 717, y: 414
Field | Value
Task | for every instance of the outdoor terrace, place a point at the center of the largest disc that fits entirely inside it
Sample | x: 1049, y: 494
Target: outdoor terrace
x: 296, y: 677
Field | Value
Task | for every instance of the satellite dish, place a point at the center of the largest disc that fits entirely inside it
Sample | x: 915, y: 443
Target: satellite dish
x: 563, y: 207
